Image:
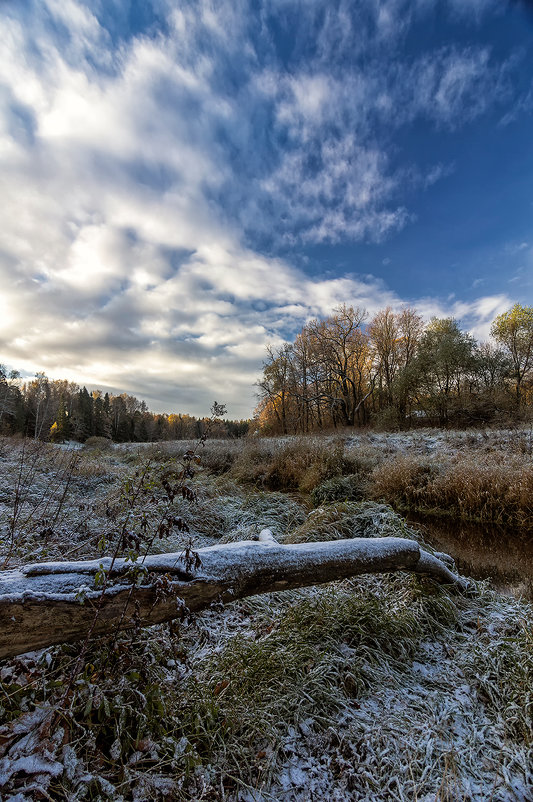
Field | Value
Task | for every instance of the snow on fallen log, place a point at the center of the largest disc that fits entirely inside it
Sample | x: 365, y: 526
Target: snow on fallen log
x: 55, y: 602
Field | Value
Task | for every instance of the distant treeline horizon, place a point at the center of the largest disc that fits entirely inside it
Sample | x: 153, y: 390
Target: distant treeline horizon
x: 394, y: 372
x: 59, y: 410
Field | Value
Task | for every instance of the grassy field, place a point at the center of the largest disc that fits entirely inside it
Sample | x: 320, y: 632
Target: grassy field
x: 380, y: 688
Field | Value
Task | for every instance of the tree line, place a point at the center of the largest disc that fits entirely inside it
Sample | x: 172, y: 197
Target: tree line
x: 60, y: 410
x: 397, y: 371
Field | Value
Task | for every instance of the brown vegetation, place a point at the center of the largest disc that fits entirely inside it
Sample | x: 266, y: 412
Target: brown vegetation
x: 396, y: 372
x: 477, y: 476
x: 496, y: 490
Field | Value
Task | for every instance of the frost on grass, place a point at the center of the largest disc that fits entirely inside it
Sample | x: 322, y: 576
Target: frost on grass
x: 52, y: 500
x: 346, y: 519
x: 379, y: 688
x: 385, y: 705
x: 425, y: 732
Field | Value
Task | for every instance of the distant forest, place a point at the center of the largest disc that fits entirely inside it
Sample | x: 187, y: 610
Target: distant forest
x: 60, y: 410
x: 396, y: 371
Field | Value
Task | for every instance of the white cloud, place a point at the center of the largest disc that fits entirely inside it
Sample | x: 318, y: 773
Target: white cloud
x: 451, y: 86
x: 475, y: 316
x: 333, y: 178
x: 438, y: 172
x: 127, y: 172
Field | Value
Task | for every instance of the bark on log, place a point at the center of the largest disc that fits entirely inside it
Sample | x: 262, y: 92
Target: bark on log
x: 40, y: 604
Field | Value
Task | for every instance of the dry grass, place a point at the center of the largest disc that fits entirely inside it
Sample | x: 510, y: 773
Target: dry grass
x: 350, y: 519
x: 495, y: 488
x: 478, y: 475
x: 474, y: 475
x: 52, y: 500
x: 299, y: 463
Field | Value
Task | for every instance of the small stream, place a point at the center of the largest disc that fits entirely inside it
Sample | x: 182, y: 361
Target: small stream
x: 484, y: 551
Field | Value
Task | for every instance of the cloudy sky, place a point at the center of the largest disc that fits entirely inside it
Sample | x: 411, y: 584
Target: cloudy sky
x: 183, y: 183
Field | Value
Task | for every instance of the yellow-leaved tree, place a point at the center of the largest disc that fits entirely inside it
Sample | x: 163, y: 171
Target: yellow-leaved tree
x: 514, y: 330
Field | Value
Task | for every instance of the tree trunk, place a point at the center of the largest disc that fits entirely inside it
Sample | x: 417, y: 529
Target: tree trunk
x: 40, y: 605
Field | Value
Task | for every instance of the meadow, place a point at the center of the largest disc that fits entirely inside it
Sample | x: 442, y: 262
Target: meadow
x: 384, y: 687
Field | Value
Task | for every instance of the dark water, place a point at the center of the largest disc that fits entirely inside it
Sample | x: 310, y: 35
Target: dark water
x: 504, y: 556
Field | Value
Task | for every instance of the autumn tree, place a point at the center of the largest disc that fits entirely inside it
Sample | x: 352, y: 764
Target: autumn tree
x: 343, y: 351
x: 394, y: 338
x: 61, y: 429
x: 384, y: 336
x: 39, y: 402
x: 444, y: 359
x: 337, y: 372
x: 274, y: 385
x: 514, y: 331
x: 492, y: 373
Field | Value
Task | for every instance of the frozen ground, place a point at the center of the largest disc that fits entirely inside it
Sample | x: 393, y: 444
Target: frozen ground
x: 447, y: 717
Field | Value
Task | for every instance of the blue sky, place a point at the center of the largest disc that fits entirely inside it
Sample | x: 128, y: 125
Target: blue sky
x: 183, y: 183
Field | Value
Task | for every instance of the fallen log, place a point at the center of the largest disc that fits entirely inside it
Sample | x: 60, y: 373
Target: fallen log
x: 55, y: 602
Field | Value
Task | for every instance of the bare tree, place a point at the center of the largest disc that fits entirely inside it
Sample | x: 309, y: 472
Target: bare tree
x: 343, y: 353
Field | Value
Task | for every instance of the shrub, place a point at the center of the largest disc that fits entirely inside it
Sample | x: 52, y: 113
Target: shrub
x: 361, y: 461
x: 340, y: 488
x: 299, y: 463
x: 388, y: 420
x: 218, y: 457
x: 251, y: 464
x: 403, y: 479
x: 302, y: 464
